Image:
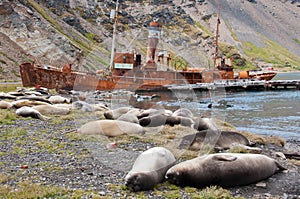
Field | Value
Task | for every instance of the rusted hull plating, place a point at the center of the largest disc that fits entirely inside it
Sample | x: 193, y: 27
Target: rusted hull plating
x: 54, y: 78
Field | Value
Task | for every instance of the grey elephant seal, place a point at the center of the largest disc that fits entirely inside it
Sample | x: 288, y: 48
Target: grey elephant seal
x: 86, y: 107
x: 153, y: 120
x: 129, y: 117
x: 57, y: 99
x: 149, y: 169
x: 34, y: 98
x: 110, y: 128
x: 223, y: 169
x: 183, y: 112
x: 179, y: 120
x: 218, y: 139
x: 26, y: 111
x: 153, y: 111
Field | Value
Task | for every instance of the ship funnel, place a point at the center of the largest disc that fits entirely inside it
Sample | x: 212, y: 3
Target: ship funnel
x: 153, y: 39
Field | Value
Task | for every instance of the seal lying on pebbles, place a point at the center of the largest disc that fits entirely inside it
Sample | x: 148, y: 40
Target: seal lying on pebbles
x: 26, y: 102
x: 110, y: 128
x: 129, y: 117
x: 34, y: 98
x: 57, y: 99
x: 116, y: 113
x: 223, y: 169
x: 49, y: 109
x: 86, y: 107
x: 149, y: 169
x: 217, y: 139
x: 26, y: 111
x: 153, y: 120
x: 5, y: 104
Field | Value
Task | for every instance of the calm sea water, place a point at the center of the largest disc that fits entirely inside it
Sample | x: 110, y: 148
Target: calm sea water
x: 261, y: 112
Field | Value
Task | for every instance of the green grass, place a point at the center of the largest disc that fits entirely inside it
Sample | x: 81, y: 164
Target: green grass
x: 27, y: 189
x: 271, y: 53
x: 7, y: 117
x: 233, y: 35
x: 297, y: 41
x: 205, y: 30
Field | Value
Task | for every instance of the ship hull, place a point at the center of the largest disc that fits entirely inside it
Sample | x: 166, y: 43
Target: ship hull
x: 54, y: 78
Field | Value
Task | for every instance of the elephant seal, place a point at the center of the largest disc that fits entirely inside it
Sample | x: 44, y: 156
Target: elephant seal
x: 153, y: 111
x: 116, y: 113
x: 49, y: 109
x: 129, y: 117
x: 179, y: 120
x: 149, y: 169
x: 26, y: 102
x: 57, y: 99
x: 6, y: 96
x: 184, y: 112
x: 217, y: 139
x: 203, y: 124
x: 26, y: 111
x: 82, y: 105
x: 153, y: 120
x: 34, y: 98
x: 110, y: 128
x: 223, y: 169
x: 5, y: 104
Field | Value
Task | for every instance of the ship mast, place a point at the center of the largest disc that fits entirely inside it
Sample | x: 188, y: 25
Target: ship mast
x: 114, y: 16
x: 217, y: 37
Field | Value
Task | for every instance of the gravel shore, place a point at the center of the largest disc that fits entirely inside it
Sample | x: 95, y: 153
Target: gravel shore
x: 52, y: 153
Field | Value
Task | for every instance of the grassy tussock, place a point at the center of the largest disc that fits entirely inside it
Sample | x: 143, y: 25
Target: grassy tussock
x: 7, y: 117
x: 9, y: 87
x: 264, y: 140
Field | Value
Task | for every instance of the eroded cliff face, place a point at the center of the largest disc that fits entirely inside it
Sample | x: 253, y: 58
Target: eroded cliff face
x: 55, y: 32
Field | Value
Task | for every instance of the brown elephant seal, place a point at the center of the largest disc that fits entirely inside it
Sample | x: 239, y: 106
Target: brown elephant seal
x: 149, y: 169
x: 183, y: 112
x: 203, y: 124
x: 214, y: 138
x: 34, y: 98
x: 180, y: 120
x: 116, y: 113
x: 223, y: 169
x: 110, y: 128
x: 26, y: 111
x: 5, y: 104
x: 49, y: 109
x: 26, y: 102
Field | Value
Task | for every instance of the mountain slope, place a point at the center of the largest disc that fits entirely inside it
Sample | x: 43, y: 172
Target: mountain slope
x: 72, y: 31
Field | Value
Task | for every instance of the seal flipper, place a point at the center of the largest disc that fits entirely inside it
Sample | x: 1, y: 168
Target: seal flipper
x: 229, y: 158
x: 280, y: 167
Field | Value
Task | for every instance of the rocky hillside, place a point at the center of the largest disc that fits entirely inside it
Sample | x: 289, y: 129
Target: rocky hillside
x: 80, y: 31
